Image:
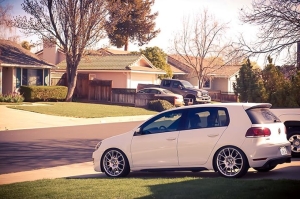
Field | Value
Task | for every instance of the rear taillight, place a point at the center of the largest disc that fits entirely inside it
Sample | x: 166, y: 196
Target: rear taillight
x: 258, y: 132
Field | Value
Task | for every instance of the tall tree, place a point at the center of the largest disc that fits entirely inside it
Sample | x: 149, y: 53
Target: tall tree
x: 249, y: 85
x: 201, y: 44
x: 159, y: 59
x: 279, y: 22
x: 72, y: 25
x: 136, y: 24
x: 278, y: 89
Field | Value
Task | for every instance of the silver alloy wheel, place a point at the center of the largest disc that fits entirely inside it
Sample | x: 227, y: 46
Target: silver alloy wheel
x: 295, y: 143
x: 229, y: 162
x: 114, y: 163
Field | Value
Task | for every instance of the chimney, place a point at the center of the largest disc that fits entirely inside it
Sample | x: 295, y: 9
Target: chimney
x: 50, y: 50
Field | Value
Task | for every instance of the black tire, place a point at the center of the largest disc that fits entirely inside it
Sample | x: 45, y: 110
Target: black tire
x: 194, y: 100
x: 115, y: 163
x: 231, y: 162
x: 265, y: 169
x: 294, y: 139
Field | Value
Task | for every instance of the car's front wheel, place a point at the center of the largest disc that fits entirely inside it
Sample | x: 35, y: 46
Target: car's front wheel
x: 294, y: 139
x: 115, y: 163
x: 231, y: 162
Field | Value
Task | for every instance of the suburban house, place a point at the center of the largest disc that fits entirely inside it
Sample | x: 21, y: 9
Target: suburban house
x: 220, y: 78
x: 19, y: 66
x: 125, y: 70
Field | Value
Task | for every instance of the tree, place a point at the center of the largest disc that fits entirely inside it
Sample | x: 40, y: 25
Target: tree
x: 158, y: 58
x: 201, y: 45
x: 7, y: 30
x: 278, y: 89
x: 27, y: 45
x: 249, y: 85
x: 136, y: 24
x: 72, y: 25
x: 295, y: 84
x: 279, y: 23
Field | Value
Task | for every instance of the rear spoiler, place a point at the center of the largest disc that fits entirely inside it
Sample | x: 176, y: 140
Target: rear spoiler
x: 256, y: 105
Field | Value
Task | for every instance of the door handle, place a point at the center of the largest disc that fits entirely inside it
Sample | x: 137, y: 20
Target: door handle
x: 171, y: 139
x: 212, y: 135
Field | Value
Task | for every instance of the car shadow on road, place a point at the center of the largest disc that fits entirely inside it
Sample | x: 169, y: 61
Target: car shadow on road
x: 288, y: 172
x: 25, y: 156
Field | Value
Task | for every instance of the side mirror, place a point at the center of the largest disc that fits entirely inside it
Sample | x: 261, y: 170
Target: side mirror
x: 179, y: 86
x: 138, y: 131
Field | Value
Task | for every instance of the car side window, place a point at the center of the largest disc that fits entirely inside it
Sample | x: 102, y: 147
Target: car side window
x: 175, y: 84
x: 166, y: 122
x: 167, y: 83
x: 207, y: 118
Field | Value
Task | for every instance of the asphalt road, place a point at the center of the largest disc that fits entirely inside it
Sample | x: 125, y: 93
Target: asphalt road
x: 35, y: 149
x: 24, y: 150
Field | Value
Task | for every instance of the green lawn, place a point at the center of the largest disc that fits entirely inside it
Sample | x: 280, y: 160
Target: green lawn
x: 84, y: 110
x: 167, y: 188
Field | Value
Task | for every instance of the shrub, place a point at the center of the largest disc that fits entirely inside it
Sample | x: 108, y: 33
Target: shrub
x: 159, y: 105
x: 44, y: 93
x: 11, y: 98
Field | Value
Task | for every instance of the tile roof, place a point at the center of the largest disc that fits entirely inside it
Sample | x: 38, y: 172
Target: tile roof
x: 216, y: 71
x: 112, y: 62
x: 114, y: 52
x: 224, y: 71
x: 13, y: 54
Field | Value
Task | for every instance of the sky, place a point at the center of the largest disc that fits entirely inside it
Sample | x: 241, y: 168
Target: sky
x: 170, y: 16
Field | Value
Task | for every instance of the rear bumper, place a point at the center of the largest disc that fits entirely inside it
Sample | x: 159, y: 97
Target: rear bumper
x: 274, y: 162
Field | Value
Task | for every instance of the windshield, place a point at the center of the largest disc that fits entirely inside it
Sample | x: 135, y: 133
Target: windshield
x: 186, y: 84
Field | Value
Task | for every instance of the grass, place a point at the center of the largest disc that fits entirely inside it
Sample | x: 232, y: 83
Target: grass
x: 84, y: 110
x: 166, y: 188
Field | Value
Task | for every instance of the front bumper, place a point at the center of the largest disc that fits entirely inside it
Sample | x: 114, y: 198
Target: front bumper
x: 203, y: 99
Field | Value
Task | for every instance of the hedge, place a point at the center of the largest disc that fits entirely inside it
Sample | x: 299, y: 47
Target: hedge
x: 43, y: 93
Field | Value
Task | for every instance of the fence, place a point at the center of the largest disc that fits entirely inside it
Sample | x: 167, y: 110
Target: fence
x: 223, y: 96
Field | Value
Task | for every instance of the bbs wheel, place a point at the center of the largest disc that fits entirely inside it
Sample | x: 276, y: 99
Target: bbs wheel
x: 115, y: 163
x: 265, y: 169
x: 231, y: 162
x: 294, y: 139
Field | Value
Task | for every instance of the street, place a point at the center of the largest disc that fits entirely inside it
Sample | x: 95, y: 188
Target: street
x: 23, y: 150
x: 66, y: 152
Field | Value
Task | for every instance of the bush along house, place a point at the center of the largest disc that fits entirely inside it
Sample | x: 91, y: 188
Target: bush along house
x: 20, y: 67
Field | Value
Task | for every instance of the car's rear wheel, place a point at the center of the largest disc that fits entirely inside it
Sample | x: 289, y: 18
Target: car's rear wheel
x: 265, y: 169
x: 115, y: 163
x: 294, y: 139
x: 231, y: 162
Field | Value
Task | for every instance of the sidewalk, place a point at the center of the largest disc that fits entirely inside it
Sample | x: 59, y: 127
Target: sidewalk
x: 12, y: 119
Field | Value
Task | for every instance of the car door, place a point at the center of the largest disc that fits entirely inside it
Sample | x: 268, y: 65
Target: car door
x: 196, y: 142
x: 155, y: 146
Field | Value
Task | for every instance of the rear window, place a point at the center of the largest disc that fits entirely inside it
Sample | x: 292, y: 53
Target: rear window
x: 261, y: 116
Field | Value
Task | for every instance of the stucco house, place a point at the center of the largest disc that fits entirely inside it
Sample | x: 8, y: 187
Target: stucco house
x: 19, y: 66
x: 220, y: 78
x: 125, y: 70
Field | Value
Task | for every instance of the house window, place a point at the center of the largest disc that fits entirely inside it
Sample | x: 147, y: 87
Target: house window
x: 32, y: 77
x: 207, y: 83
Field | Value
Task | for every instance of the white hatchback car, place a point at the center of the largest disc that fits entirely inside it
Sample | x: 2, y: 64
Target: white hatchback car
x: 228, y: 138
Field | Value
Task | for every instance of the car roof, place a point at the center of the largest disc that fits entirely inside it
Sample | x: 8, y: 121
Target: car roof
x: 243, y: 104
x: 154, y: 88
